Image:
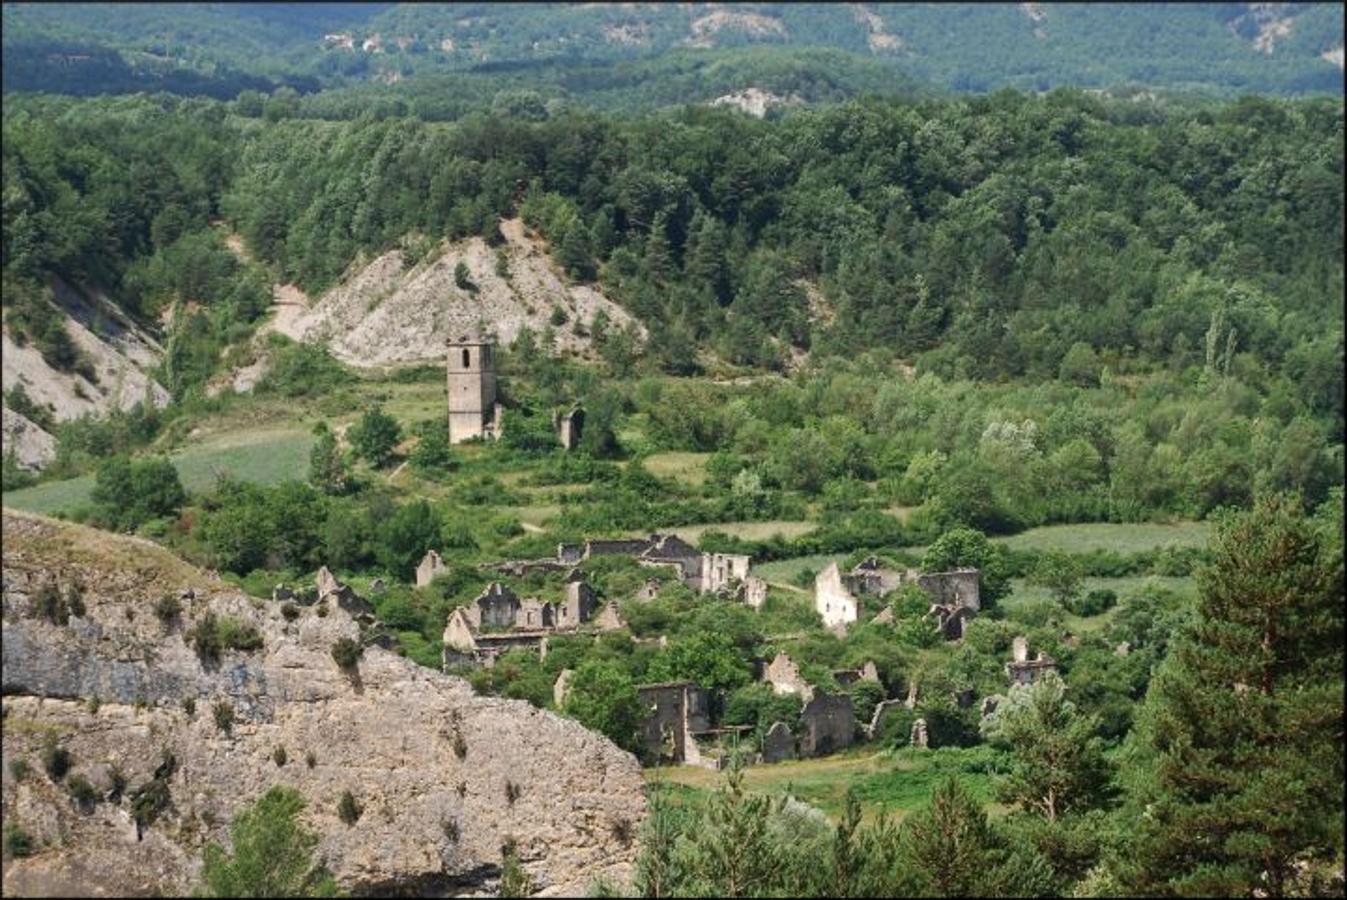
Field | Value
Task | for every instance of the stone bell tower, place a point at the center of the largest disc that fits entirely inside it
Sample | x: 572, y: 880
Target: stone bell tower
x: 473, y: 410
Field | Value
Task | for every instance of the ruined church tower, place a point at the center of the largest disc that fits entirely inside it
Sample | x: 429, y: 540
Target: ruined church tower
x: 473, y: 411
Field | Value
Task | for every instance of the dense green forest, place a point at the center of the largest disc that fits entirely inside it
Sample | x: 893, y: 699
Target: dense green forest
x: 222, y: 49
x: 1006, y: 236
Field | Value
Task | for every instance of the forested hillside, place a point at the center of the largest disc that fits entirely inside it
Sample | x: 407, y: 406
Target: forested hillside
x: 222, y: 49
x: 995, y: 237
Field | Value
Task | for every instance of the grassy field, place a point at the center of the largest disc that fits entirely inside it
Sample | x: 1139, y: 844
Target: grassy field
x: 265, y: 456
x: 784, y: 571
x: 888, y: 782
x: 1122, y: 538
x: 689, y: 468
x: 752, y: 531
x: 1022, y: 592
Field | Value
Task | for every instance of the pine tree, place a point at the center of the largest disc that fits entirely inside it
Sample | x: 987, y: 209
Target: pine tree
x: 732, y: 854
x: 1240, y: 740
x: 948, y: 845
x: 328, y: 469
x: 1059, y: 764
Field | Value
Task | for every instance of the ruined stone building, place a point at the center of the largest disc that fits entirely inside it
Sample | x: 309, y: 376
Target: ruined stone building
x: 778, y: 744
x: 834, y: 602
x: 430, y: 568
x: 827, y: 724
x: 498, y: 620
x: 848, y: 677
x: 784, y: 677
x: 568, y: 426
x: 676, y: 711
x: 473, y: 410
x: 723, y: 573
x: 1023, y: 670
x: 955, y: 595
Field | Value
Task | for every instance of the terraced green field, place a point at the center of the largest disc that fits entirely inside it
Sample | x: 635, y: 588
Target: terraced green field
x: 1122, y: 538
x: 893, y: 783
x: 265, y: 456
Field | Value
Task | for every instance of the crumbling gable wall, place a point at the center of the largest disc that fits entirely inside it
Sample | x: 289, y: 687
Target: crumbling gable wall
x: 828, y: 723
x: 956, y: 588
x: 430, y: 567
x: 833, y: 601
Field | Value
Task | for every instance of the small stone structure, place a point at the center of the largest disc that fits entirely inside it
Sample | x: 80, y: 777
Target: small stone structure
x: 344, y: 596
x: 919, y: 738
x: 579, y: 605
x: 473, y: 410
x: 959, y: 587
x: 848, y: 677
x: 885, y: 617
x: 1023, y: 670
x: 828, y: 724
x: 755, y: 591
x: 609, y: 619
x: 561, y: 688
x: 950, y: 621
x: 784, y: 677
x: 778, y: 744
x: 881, y: 709
x: 568, y: 426
x: 430, y: 568
x: 648, y: 591
x: 676, y: 711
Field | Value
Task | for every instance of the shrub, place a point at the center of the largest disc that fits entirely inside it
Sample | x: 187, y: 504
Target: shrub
x: 1093, y: 603
x: 224, y: 716
x: 189, y: 705
x: 118, y: 779
x: 167, y: 608
x: 451, y: 831
x: 213, y: 634
x: 272, y: 853
x: 310, y: 759
x: 347, y: 653
x: 82, y: 792
x: 18, y: 843
x: 74, y: 600
x: 48, y: 604
x: 92, y: 704
x: 512, y: 792
x: 374, y: 436
x: 128, y: 493
x: 347, y: 809
x: 152, y: 797
x: 56, y: 760
x: 289, y: 611
x: 278, y: 756
x: 19, y: 768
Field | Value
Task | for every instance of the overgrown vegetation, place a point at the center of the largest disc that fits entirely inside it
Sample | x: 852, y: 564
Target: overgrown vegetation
x: 271, y: 853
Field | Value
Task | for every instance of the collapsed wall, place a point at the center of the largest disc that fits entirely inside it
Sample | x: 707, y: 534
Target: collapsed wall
x: 444, y: 778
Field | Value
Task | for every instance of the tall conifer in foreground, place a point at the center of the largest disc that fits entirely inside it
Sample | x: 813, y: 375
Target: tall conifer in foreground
x: 1239, y: 746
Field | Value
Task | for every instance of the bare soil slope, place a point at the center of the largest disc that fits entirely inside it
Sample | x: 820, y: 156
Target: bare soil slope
x: 389, y: 313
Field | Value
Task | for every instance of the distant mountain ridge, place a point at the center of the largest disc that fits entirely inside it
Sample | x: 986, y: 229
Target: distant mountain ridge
x: 221, y: 49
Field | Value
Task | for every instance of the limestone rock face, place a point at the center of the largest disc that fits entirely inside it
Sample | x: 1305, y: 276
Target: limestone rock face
x: 444, y: 777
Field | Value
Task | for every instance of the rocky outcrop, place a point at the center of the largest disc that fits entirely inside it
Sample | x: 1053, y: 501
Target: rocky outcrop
x: 444, y: 777
x: 389, y: 312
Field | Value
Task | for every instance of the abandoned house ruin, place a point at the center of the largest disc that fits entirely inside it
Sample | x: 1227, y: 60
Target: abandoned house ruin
x: 720, y: 573
x: 676, y: 711
x: 1023, y: 670
x: 784, y: 677
x: 498, y: 620
x: 778, y: 744
x: 837, y: 596
x: 827, y: 724
x: 568, y: 426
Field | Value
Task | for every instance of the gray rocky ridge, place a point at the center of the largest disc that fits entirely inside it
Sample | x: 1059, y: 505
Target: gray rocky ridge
x: 445, y: 778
